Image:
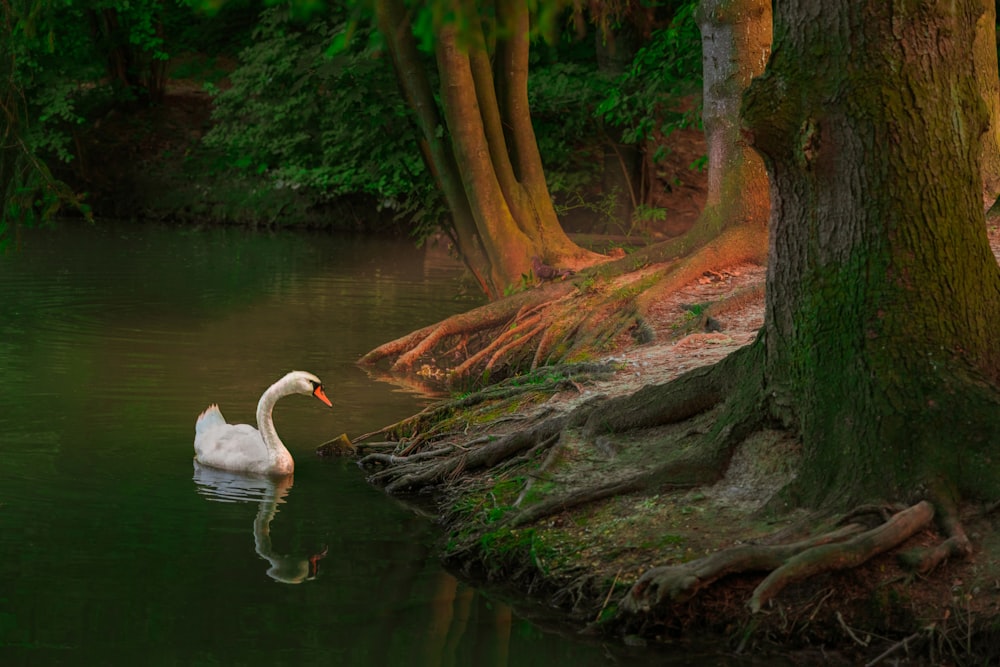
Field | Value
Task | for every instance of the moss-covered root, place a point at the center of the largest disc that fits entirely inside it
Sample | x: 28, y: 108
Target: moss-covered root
x: 840, y: 549
x: 843, y: 555
x: 691, y: 394
x: 677, y: 583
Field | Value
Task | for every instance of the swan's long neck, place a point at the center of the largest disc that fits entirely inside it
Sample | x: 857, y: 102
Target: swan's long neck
x: 278, y: 456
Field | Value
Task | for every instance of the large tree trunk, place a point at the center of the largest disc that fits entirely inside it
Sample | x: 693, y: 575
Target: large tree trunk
x: 882, y: 293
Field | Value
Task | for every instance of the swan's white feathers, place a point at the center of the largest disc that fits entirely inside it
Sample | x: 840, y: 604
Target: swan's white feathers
x: 232, y: 447
x: 243, y: 448
x: 210, y: 418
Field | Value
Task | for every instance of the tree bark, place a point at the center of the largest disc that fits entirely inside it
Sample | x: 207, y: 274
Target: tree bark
x: 508, y: 248
x: 540, y: 223
x: 413, y: 81
x: 882, y: 293
x: 988, y: 78
x: 736, y: 43
x: 487, y: 162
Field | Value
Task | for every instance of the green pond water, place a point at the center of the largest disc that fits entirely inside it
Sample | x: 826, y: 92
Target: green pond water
x: 115, y: 550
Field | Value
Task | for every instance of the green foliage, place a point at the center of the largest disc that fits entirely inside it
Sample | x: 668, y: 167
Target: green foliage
x: 331, y: 122
x: 28, y: 191
x: 563, y: 97
x: 651, y: 97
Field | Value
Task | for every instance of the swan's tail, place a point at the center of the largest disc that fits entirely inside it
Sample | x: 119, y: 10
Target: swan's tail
x: 210, y: 418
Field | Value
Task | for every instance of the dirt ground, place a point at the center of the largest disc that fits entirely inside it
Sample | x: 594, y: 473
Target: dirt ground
x: 582, y: 561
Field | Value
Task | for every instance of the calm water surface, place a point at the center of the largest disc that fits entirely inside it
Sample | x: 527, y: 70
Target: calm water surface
x: 115, y: 550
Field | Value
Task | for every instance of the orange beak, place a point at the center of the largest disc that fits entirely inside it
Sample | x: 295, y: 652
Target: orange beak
x: 321, y: 395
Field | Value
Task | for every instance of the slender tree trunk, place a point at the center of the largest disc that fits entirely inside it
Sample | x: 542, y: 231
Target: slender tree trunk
x: 620, y: 178
x: 129, y: 68
x: 487, y: 162
x: 395, y: 27
x: 508, y: 248
x: 736, y: 43
x: 540, y: 223
x: 882, y: 293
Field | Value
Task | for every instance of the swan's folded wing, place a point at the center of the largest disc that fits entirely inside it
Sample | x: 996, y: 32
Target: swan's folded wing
x: 237, y: 447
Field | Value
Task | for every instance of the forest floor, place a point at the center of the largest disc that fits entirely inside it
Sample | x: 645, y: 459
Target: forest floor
x: 581, y: 561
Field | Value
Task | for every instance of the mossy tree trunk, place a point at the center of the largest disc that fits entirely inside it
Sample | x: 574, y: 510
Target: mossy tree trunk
x: 735, y: 43
x: 487, y: 162
x: 988, y: 78
x: 732, y: 227
x: 882, y: 294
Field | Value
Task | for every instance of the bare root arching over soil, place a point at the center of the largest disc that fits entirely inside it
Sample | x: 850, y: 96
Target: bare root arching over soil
x: 651, y: 489
x: 572, y: 319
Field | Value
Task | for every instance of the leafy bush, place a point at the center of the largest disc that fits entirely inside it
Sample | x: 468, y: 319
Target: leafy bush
x: 651, y: 97
x: 563, y: 97
x: 331, y: 125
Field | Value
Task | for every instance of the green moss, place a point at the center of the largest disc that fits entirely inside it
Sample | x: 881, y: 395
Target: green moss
x: 505, y: 545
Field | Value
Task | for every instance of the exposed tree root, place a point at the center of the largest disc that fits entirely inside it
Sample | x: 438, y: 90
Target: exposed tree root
x: 558, y: 321
x: 577, y: 497
x: 452, y: 417
x: 688, y: 458
x: 678, y: 583
x: 956, y: 543
x: 839, y: 556
x: 412, y: 474
x: 843, y: 548
x: 407, y: 350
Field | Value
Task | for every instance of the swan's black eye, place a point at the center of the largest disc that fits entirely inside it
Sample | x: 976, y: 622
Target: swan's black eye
x: 316, y: 385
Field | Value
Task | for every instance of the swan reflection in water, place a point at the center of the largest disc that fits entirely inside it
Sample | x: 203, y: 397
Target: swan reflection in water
x: 229, y: 487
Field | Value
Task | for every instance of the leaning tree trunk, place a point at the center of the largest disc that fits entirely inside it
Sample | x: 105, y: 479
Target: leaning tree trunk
x: 882, y: 293
x: 487, y: 161
x: 413, y: 81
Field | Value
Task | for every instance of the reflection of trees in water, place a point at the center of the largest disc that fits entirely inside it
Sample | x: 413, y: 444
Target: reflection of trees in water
x: 224, y: 486
x: 449, y: 625
x: 456, y: 630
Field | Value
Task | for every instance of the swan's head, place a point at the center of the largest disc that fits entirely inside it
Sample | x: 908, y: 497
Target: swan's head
x: 301, y: 382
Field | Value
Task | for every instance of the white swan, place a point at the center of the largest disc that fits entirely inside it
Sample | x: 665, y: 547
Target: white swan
x: 241, y: 447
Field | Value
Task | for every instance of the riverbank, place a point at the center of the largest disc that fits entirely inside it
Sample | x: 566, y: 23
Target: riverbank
x: 582, y: 558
